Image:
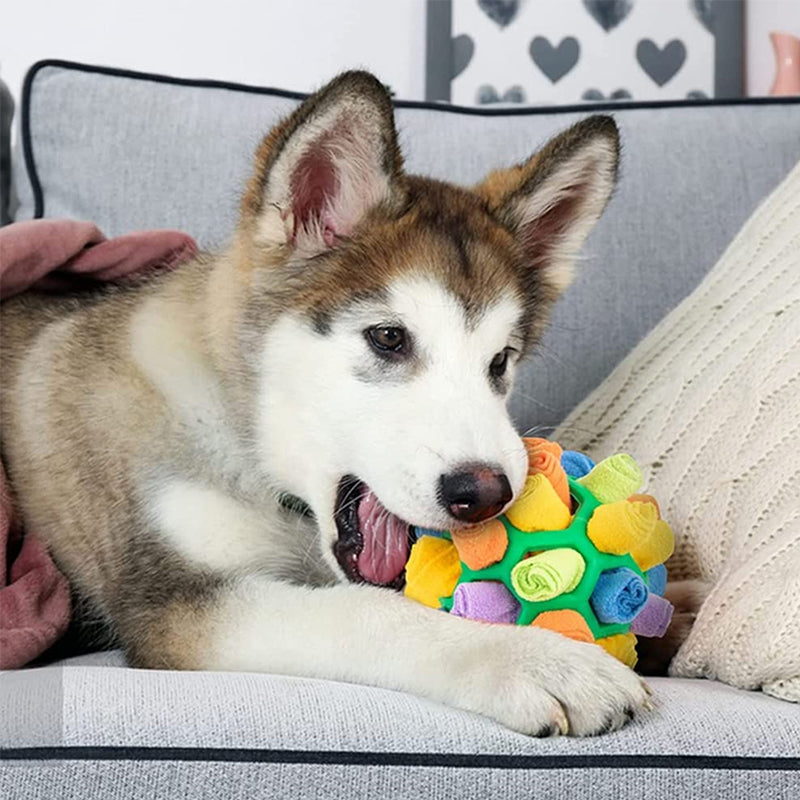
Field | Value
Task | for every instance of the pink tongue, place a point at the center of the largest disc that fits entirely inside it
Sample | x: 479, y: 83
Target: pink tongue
x: 385, y: 542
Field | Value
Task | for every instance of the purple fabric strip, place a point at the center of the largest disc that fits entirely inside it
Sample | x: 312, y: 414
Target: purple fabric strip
x: 653, y: 620
x: 487, y: 601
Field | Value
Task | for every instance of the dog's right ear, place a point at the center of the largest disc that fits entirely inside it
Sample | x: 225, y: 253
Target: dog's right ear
x: 324, y: 168
x: 552, y: 200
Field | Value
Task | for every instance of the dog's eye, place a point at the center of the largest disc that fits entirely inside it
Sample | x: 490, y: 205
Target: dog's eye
x: 499, y: 364
x: 387, y: 339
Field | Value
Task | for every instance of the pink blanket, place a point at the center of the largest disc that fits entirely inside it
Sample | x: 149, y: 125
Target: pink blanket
x: 53, y: 256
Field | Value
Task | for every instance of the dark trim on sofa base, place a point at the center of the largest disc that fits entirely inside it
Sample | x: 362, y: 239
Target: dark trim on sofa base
x: 392, y: 759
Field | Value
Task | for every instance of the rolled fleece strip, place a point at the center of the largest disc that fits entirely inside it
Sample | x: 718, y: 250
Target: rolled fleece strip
x: 576, y: 464
x: 487, y: 601
x: 657, y: 549
x: 538, y: 508
x: 635, y: 528
x: 533, y: 443
x: 645, y: 498
x: 657, y: 579
x: 480, y: 546
x: 618, y: 596
x: 567, y: 622
x: 543, y: 460
x: 654, y: 618
x: 614, y: 478
x: 420, y: 532
x: 432, y: 571
x: 548, y: 574
x: 622, y: 646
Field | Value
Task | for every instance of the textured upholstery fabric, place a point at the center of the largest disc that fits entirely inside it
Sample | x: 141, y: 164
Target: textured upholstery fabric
x: 710, y: 404
x: 304, y: 738
x: 131, y: 153
x: 132, y: 780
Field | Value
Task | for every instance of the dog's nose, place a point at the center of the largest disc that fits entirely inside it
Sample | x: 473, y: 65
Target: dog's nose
x: 476, y: 494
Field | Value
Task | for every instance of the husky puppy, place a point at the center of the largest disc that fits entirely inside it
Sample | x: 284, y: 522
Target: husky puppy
x: 353, y: 347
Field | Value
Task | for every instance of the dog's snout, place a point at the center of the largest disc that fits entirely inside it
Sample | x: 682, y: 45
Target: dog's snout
x: 474, y: 494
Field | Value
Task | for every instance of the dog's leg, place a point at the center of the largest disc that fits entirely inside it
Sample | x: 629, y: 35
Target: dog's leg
x: 529, y: 679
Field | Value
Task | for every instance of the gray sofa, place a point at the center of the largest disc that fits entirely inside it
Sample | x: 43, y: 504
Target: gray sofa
x: 135, y: 151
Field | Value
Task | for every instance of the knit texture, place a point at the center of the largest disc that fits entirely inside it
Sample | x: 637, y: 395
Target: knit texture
x: 709, y: 404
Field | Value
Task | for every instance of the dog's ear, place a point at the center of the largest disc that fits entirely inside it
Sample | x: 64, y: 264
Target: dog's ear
x: 553, y: 200
x: 320, y: 171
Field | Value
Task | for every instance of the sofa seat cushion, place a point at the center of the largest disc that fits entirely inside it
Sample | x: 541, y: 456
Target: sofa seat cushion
x: 91, y: 721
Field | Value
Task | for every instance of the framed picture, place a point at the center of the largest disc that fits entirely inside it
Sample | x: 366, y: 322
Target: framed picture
x: 571, y: 51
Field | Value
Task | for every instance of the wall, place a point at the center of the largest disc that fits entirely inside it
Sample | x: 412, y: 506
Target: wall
x: 295, y: 44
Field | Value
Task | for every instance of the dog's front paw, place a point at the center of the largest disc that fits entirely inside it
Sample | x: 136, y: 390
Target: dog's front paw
x: 543, y: 684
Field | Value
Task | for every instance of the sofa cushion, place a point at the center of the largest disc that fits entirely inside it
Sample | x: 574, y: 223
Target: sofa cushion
x: 129, y: 150
x: 92, y: 722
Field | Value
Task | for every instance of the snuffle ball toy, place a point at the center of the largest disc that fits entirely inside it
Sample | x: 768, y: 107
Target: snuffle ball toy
x: 579, y: 552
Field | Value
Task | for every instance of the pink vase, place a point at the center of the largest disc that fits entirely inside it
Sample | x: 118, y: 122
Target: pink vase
x: 787, y: 64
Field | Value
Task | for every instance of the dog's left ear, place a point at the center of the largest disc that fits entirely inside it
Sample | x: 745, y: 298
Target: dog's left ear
x: 326, y: 166
x: 553, y: 200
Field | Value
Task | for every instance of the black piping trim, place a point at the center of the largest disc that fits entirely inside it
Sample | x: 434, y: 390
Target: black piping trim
x: 583, y: 108
x: 27, y: 146
x: 392, y: 759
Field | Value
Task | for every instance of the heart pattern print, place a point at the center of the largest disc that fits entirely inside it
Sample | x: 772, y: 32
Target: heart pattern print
x: 500, y: 11
x: 543, y: 52
x: 555, y: 62
x: 608, y: 13
x: 660, y: 63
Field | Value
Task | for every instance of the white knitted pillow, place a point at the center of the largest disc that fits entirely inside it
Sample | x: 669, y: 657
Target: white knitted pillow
x: 709, y: 404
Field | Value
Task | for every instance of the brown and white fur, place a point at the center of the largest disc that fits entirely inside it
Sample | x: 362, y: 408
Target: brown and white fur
x: 150, y: 431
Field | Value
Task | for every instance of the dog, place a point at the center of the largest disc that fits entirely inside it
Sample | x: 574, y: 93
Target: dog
x: 226, y: 460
